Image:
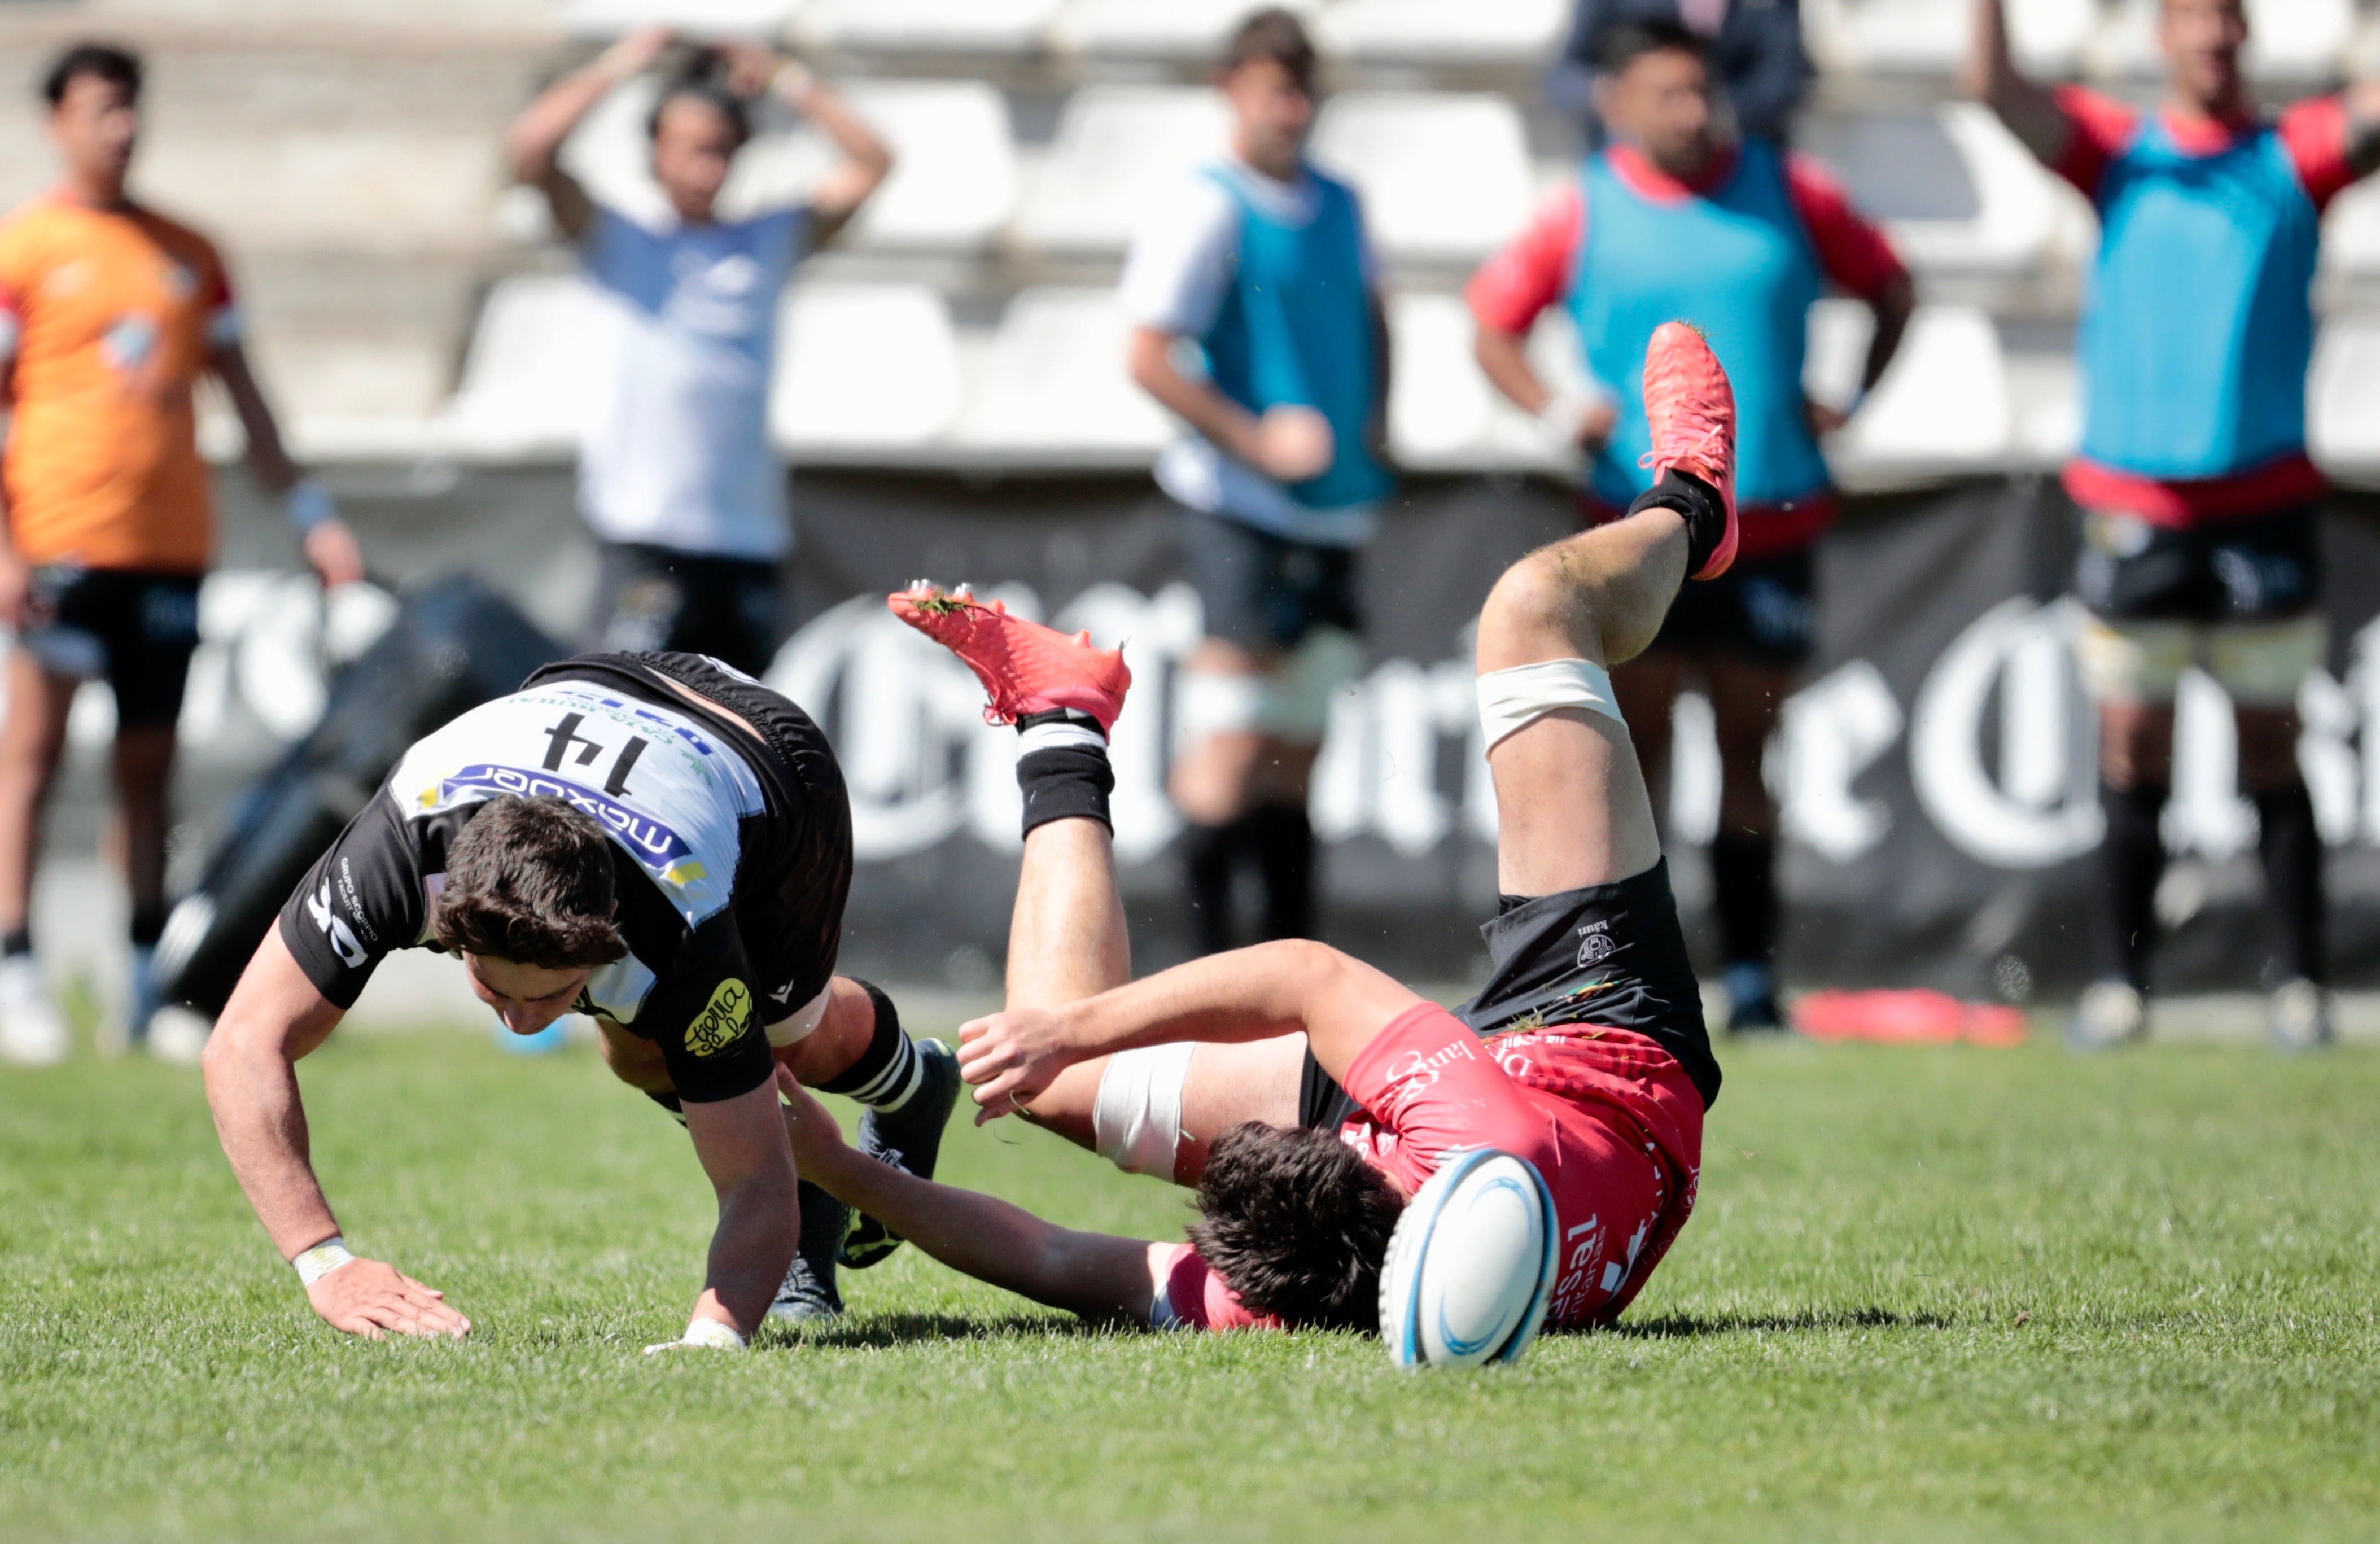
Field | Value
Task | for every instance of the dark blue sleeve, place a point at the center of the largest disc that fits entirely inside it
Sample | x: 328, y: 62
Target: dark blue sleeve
x: 1766, y: 67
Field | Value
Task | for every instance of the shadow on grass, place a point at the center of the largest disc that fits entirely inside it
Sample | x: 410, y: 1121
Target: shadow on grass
x: 878, y: 1331
x: 1682, y: 1326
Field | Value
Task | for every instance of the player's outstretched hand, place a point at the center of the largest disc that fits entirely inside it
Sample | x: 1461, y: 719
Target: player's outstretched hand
x: 366, y: 1297
x: 815, y: 1136
x: 1010, y: 1056
x: 332, y: 550
x: 1292, y: 444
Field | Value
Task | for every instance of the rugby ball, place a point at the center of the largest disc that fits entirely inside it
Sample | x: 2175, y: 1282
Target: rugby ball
x: 1470, y: 1268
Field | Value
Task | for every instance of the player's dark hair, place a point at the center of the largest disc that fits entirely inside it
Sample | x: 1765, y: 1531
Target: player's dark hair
x: 102, y: 59
x: 1296, y: 1223
x: 529, y: 881
x: 702, y: 76
x: 1625, y: 43
x: 1275, y: 35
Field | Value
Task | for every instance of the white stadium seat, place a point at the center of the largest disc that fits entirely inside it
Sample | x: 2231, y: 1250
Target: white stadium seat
x: 1930, y: 37
x: 928, y: 26
x: 1117, y: 149
x: 1443, y: 31
x: 1958, y: 194
x: 1053, y: 387
x: 529, y: 378
x: 1943, y: 408
x: 1443, y: 414
x: 609, y: 18
x: 1445, y: 177
x: 1152, y: 29
x: 2344, y: 400
x: 863, y: 371
x: 2350, y: 233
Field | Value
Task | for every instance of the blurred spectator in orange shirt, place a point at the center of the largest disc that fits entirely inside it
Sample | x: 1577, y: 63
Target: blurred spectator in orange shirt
x: 109, y: 312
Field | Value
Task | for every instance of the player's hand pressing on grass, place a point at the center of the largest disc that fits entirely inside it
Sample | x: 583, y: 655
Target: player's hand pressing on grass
x: 816, y: 1136
x: 366, y: 1297
x: 1010, y: 1056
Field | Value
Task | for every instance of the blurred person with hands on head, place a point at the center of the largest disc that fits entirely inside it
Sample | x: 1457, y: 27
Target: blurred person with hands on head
x: 1741, y: 239
x: 109, y: 314
x: 677, y: 475
x: 1259, y: 266
x: 2199, y: 506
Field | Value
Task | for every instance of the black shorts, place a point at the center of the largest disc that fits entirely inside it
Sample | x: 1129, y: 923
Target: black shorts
x: 795, y: 874
x: 137, y: 629
x: 1762, y: 609
x: 1262, y: 591
x: 650, y: 599
x: 1611, y: 955
x: 2259, y: 568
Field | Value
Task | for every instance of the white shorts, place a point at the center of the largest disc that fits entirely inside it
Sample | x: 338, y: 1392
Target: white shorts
x: 2261, y: 664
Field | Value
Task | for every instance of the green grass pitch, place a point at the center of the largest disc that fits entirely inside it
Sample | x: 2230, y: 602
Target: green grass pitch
x: 1929, y: 1293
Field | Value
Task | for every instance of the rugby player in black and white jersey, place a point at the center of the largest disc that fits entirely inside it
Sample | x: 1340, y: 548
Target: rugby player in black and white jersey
x: 654, y: 840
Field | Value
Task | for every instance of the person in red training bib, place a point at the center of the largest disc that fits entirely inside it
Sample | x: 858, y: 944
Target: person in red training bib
x: 1305, y: 1094
x: 2201, y: 508
x: 1675, y: 219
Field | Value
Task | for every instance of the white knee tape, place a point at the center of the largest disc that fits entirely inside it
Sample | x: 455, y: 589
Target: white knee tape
x: 1136, y: 1120
x: 803, y: 1022
x: 1209, y: 703
x: 1510, y: 700
x: 1299, y: 692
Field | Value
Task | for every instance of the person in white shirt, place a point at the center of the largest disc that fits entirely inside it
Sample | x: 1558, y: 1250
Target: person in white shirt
x: 677, y: 475
x: 1260, y: 266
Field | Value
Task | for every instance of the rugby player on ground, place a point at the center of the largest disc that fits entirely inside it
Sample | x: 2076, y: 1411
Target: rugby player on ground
x: 1740, y: 239
x: 2201, y: 510
x: 1306, y: 1094
x: 650, y: 839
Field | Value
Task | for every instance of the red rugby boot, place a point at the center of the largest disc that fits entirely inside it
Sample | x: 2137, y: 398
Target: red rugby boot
x: 1691, y: 411
x: 1027, y: 667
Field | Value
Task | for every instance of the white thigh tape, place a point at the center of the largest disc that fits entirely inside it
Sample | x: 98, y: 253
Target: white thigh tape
x: 1207, y: 703
x: 803, y: 1022
x: 1510, y: 700
x: 1137, y: 1119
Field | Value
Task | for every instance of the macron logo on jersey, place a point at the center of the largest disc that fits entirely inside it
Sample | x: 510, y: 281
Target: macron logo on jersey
x: 656, y: 845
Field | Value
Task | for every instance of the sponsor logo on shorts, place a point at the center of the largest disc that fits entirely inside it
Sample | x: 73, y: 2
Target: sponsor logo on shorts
x: 1594, y: 944
x: 723, y: 1020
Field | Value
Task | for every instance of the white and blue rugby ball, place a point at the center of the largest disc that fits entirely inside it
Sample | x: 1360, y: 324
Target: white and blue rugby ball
x: 1470, y: 1268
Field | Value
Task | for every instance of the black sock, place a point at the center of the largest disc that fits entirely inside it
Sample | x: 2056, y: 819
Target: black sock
x: 15, y: 943
x: 1705, y: 511
x: 888, y: 1072
x: 148, y: 925
x: 1283, y: 837
x: 2291, y: 848
x: 2131, y: 862
x: 1744, y: 890
x: 1209, y: 860
x: 1067, y: 780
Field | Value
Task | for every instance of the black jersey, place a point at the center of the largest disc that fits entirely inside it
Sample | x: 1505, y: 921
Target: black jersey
x: 732, y: 853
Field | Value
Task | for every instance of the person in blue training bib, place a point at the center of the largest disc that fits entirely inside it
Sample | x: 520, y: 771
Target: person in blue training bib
x: 1741, y: 239
x: 659, y: 842
x: 1260, y: 266
x: 2200, y: 509
x: 676, y: 475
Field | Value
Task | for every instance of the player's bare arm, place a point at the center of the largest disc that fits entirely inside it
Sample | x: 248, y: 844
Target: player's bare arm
x: 1097, y: 1275
x: 2363, y: 104
x: 329, y: 546
x: 1249, y: 994
x: 742, y: 1145
x: 536, y: 137
x: 866, y: 162
x: 2024, y: 105
x: 1892, y: 307
x: 1287, y: 444
x: 274, y: 1017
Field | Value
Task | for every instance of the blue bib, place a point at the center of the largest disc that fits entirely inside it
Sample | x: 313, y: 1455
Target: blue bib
x: 2198, y: 331
x: 1735, y: 261
x: 1297, y: 329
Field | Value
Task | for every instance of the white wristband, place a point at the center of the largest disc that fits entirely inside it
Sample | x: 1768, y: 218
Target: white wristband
x: 308, y: 505
x: 322, y: 1259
